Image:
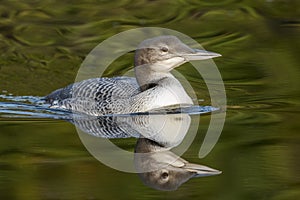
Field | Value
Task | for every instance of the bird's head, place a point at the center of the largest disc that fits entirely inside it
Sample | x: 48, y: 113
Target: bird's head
x: 164, y: 53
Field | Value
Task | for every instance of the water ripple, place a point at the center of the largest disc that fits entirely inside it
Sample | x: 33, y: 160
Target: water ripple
x: 35, y: 107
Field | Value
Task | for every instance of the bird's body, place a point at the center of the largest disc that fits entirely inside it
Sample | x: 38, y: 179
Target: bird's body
x: 153, y: 87
x: 118, y: 95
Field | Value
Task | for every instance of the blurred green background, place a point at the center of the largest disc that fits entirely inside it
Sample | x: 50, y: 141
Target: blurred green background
x: 42, y: 44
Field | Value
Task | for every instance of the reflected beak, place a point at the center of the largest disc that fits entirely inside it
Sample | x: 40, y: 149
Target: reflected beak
x: 198, y: 54
x: 200, y: 170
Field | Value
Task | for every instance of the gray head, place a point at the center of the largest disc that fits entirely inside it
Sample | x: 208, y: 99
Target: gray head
x: 168, y: 51
x: 157, y: 56
x: 166, y: 171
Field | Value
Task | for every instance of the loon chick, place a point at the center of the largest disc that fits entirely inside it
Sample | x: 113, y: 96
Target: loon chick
x: 162, y: 169
x: 154, y: 86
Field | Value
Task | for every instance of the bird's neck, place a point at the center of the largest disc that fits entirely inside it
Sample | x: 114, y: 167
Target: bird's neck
x: 167, y: 91
x: 148, y: 78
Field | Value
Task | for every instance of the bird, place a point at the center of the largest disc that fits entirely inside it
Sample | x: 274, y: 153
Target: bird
x: 153, y: 86
x: 161, y: 169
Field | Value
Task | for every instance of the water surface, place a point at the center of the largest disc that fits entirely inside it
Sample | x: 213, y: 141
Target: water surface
x: 42, y: 44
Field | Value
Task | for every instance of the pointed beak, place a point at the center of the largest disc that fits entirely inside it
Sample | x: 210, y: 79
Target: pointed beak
x: 198, y: 54
x: 201, y: 170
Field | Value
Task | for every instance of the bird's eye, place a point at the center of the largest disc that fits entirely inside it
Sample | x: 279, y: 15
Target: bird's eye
x: 164, y: 175
x: 164, y: 49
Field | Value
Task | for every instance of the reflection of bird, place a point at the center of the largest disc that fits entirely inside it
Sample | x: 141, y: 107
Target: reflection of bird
x: 167, y: 130
x: 162, y: 169
x: 154, y: 85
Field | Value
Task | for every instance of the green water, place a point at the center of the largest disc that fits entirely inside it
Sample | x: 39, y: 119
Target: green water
x: 42, y: 44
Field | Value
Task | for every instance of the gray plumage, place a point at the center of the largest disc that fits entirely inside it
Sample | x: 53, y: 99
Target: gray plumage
x: 94, y: 96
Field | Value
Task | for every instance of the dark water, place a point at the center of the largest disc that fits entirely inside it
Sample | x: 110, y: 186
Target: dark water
x: 42, y: 44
